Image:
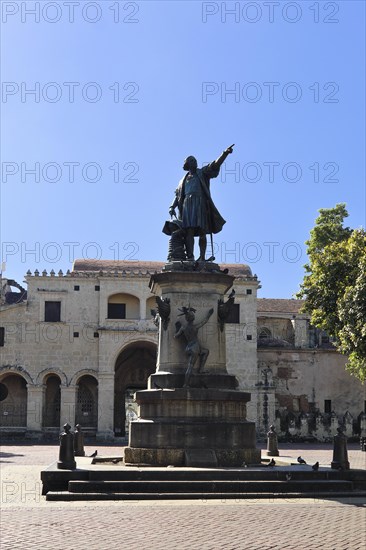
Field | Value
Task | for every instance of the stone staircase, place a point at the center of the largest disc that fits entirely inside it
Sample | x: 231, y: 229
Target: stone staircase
x: 133, y: 483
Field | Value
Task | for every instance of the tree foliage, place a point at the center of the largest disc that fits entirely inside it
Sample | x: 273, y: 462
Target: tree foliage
x: 334, y: 285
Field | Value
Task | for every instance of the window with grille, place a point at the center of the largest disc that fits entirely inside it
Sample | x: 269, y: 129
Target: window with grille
x: 85, y: 400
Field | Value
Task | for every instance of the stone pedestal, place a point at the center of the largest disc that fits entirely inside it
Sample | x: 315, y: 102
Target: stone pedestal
x: 205, y: 423
x: 201, y: 291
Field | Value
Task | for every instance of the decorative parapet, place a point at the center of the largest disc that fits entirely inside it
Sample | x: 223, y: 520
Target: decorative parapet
x: 91, y: 274
x: 317, y: 426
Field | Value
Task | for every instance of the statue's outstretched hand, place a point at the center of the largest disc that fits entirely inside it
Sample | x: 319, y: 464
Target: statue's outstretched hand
x: 171, y: 211
x: 229, y: 150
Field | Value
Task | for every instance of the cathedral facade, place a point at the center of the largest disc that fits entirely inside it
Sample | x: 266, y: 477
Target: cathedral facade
x: 76, y: 346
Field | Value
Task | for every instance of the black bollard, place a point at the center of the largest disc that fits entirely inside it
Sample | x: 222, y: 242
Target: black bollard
x: 78, y: 441
x: 66, y: 457
x: 340, y: 455
x: 272, y: 442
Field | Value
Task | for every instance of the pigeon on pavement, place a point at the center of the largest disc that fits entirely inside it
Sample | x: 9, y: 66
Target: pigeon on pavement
x: 301, y: 460
x: 94, y: 454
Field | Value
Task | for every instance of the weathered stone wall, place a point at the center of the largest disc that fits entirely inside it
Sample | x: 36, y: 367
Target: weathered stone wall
x: 302, y: 380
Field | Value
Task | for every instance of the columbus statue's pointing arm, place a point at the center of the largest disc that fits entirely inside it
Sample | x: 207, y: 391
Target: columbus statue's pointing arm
x: 223, y: 156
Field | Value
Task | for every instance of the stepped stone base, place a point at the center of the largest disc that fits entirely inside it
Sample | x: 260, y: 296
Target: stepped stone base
x: 177, y: 457
x: 120, y: 482
x: 208, y: 422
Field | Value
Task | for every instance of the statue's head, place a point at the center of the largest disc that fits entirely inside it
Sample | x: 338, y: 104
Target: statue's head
x: 190, y: 163
x: 189, y: 315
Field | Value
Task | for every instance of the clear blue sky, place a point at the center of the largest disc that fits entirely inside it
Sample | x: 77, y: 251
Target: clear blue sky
x: 151, y: 83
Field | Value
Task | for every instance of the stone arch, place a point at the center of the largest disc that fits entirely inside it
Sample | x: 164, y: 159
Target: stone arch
x: 133, y: 366
x: 123, y: 305
x: 87, y: 402
x: 13, y: 402
x: 51, y: 400
x: 75, y: 379
x: 16, y: 369
x: 45, y: 372
x: 150, y: 339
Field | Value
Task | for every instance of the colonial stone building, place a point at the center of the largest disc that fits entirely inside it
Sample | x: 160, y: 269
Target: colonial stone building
x: 76, y: 346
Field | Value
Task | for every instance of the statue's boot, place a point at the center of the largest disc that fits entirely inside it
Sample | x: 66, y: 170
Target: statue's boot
x: 203, y: 246
x: 189, y: 245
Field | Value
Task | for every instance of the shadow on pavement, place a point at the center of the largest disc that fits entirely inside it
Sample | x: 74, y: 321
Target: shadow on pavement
x: 8, y: 455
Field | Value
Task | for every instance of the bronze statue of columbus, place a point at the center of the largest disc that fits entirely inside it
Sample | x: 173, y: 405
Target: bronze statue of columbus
x: 198, y: 216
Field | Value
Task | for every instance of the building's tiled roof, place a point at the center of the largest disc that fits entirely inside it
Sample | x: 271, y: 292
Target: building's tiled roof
x: 117, y: 265
x: 145, y: 267
x: 278, y: 305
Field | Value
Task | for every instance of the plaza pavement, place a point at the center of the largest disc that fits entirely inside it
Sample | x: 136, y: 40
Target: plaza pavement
x: 29, y: 522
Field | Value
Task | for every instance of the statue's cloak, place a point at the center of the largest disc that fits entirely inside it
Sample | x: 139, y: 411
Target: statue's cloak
x: 215, y: 221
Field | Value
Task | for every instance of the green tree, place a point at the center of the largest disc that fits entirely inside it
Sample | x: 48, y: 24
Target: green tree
x: 334, y: 285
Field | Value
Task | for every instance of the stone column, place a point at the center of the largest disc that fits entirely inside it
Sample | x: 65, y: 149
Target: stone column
x: 35, y: 399
x: 68, y: 405
x: 105, y: 406
x: 143, y: 307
